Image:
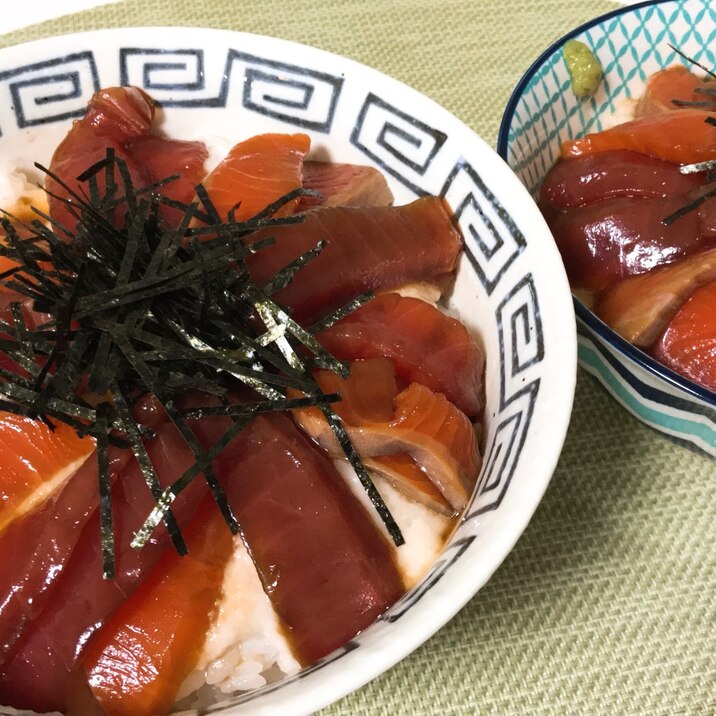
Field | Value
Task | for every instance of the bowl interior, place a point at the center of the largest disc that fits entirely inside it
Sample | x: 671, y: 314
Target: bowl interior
x: 631, y: 43
x: 511, y: 288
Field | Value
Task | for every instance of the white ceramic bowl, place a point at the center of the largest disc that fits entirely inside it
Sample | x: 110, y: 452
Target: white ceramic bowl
x: 511, y: 286
x: 631, y: 44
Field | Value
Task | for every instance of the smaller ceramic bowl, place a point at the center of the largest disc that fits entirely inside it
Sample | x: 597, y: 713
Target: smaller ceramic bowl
x: 631, y: 43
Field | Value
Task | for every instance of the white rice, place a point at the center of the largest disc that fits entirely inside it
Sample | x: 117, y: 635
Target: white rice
x: 18, y: 190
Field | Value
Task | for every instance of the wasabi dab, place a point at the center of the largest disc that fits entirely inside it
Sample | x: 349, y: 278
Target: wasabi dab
x: 584, y: 68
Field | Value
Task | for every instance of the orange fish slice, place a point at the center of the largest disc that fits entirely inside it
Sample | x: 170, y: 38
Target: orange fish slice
x: 256, y: 173
x: 688, y: 344
x: 137, y: 662
x: 682, y: 136
x: 673, y: 83
x: 405, y: 475
x: 639, y: 308
x: 34, y: 462
x: 381, y: 420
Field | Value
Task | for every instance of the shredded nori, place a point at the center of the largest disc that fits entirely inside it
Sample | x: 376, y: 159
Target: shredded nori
x: 136, y: 308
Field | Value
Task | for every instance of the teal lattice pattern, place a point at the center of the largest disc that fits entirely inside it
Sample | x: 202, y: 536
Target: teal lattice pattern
x: 630, y: 47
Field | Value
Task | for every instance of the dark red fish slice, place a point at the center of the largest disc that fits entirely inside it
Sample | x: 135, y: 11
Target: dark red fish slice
x: 612, y: 175
x: 366, y: 250
x: 344, y: 185
x: 161, y: 158
x: 35, y: 674
x: 36, y: 548
x: 327, y: 569
x: 612, y: 239
x: 425, y: 345
x: 120, y: 118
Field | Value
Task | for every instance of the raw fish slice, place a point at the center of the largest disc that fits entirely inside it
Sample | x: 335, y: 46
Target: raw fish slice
x: 639, y: 308
x: 162, y: 158
x: 613, y: 239
x: 114, y: 117
x: 35, y: 675
x: 611, y: 175
x: 327, y: 569
x: 344, y: 185
x: 382, y: 420
x: 425, y: 345
x: 367, y: 249
x: 688, y: 344
x: 682, y: 136
x: 673, y: 83
x: 121, y: 118
x: 137, y: 662
x: 35, y: 460
x: 256, y: 173
x: 404, y: 474
x: 36, y: 547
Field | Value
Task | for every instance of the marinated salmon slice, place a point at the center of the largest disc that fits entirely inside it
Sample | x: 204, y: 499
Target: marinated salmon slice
x: 366, y: 249
x: 425, y: 345
x: 343, y: 185
x: 405, y: 475
x: 35, y: 460
x: 381, y: 420
x: 688, y: 345
x: 328, y: 577
x: 136, y: 663
x: 682, y: 136
x: 674, y: 83
x: 256, y: 173
x: 639, y: 308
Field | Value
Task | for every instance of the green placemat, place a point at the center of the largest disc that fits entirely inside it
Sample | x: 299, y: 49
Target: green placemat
x: 608, y: 603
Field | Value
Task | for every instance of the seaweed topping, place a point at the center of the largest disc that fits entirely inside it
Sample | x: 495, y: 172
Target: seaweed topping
x: 139, y: 308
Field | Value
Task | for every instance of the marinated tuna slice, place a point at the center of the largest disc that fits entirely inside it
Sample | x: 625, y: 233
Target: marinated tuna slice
x: 137, y: 662
x: 256, y: 173
x: 608, y: 241
x: 425, y: 345
x: 344, y: 185
x: 325, y: 566
x: 639, y: 308
x: 366, y: 249
x: 36, y: 548
x: 405, y: 475
x: 682, y: 137
x: 613, y: 175
x: 120, y: 118
x: 161, y: 158
x: 383, y: 420
x: 688, y: 344
x: 35, y: 460
x: 35, y: 674
x: 669, y: 87
x: 114, y: 117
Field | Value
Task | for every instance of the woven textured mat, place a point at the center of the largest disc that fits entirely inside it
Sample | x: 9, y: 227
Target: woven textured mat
x: 608, y: 603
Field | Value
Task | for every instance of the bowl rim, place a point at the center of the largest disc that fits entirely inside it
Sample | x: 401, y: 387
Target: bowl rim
x: 588, y: 317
